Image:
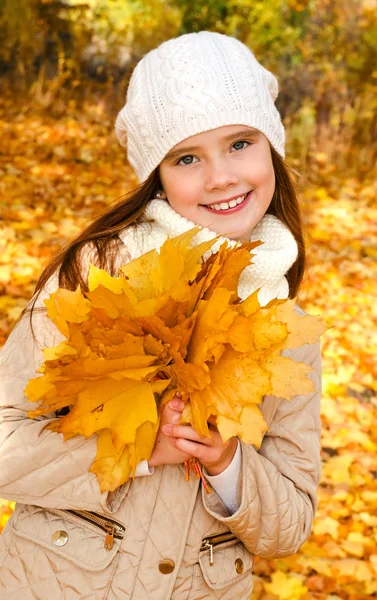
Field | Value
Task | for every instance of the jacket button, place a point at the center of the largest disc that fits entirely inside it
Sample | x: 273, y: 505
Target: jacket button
x: 60, y: 538
x: 239, y: 566
x: 166, y: 566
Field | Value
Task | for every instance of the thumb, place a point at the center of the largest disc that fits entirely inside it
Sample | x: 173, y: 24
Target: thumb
x: 171, y: 416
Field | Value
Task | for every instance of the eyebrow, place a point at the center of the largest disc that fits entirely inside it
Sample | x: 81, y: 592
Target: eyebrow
x: 186, y: 150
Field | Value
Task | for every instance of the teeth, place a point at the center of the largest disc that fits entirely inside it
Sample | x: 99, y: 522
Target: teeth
x: 230, y: 204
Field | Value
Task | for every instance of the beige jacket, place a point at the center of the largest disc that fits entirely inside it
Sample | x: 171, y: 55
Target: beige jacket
x: 160, y: 531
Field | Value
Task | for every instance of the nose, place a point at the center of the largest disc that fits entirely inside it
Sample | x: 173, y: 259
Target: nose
x: 220, y: 175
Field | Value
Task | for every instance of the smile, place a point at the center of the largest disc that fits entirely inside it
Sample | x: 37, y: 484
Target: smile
x: 228, y: 207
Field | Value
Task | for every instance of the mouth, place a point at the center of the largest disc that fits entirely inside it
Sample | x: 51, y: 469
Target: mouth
x: 230, y: 206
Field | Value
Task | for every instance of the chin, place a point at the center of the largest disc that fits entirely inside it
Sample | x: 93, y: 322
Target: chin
x: 242, y: 236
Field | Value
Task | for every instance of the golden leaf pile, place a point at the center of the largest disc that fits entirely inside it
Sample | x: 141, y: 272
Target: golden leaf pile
x: 171, y: 322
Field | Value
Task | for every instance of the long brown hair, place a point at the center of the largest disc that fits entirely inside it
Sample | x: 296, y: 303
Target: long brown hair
x: 103, y: 232
x: 285, y: 206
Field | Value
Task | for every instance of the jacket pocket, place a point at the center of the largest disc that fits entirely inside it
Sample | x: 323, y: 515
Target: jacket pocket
x: 88, y: 540
x: 224, y: 561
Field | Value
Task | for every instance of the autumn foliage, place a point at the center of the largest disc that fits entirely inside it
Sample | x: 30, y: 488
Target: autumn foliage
x: 170, y: 323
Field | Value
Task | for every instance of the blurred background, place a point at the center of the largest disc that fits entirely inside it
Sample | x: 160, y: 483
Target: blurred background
x: 64, y: 69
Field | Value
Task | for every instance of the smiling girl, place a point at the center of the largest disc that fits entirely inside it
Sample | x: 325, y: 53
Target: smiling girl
x: 207, y: 143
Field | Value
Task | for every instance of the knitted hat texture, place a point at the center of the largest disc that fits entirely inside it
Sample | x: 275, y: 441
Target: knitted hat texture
x: 191, y: 84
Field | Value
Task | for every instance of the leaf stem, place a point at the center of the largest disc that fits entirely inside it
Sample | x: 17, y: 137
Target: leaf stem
x: 192, y: 464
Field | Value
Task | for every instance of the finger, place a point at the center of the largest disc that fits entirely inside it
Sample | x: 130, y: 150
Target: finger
x: 169, y: 417
x: 187, y: 432
x: 177, y: 404
x: 174, y: 405
x: 192, y: 448
x: 167, y: 414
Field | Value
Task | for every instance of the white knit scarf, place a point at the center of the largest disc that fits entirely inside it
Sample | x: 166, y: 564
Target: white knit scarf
x: 270, y: 262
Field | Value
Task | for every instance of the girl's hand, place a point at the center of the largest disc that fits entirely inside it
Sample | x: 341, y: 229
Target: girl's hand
x: 211, y: 452
x: 163, y: 452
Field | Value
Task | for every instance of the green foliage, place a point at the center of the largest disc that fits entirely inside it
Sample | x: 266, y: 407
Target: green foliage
x: 266, y: 27
x: 136, y: 24
x: 198, y: 15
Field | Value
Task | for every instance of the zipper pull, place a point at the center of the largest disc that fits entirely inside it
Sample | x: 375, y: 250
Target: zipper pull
x: 208, y: 546
x: 109, y: 541
x: 211, y: 554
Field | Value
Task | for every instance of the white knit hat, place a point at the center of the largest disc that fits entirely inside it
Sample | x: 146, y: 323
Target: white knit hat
x: 191, y: 84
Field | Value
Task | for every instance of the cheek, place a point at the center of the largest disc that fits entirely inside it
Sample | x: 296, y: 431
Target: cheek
x: 265, y: 177
x: 178, y: 185
x: 183, y: 197
x: 183, y: 193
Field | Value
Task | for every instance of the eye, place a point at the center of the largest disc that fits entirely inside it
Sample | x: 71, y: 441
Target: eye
x: 186, y: 160
x: 240, y: 145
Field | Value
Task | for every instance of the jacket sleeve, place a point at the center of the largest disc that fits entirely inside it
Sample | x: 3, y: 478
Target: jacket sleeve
x: 278, y: 484
x: 37, y: 466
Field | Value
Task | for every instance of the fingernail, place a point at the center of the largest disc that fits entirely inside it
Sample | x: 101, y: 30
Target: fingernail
x: 166, y: 429
x: 178, y: 394
x: 174, y: 403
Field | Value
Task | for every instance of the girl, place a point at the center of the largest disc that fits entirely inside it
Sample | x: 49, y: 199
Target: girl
x: 207, y: 144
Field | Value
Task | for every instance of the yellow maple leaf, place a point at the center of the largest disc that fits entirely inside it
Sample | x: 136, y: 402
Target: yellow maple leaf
x: 63, y: 349
x: 65, y: 307
x: 288, y: 378
x: 214, y: 318
x: 138, y: 273
x: 39, y: 387
x: 231, y: 266
x: 267, y: 330
x: 238, y: 378
x: 172, y: 276
x: 111, y: 468
x: 100, y: 277
x: 302, y: 329
x: 109, y: 303
x: 114, y: 467
x: 249, y: 426
x: 285, y: 587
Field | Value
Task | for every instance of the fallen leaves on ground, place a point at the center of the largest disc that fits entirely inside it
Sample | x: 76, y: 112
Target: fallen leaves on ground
x: 47, y: 194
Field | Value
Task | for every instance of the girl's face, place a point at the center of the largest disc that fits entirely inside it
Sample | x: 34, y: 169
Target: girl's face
x: 222, y: 179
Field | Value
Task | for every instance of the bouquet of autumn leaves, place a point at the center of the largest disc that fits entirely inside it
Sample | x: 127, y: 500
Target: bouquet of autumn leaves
x: 170, y: 322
